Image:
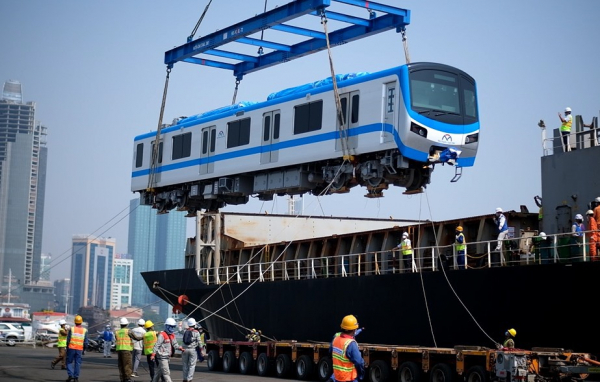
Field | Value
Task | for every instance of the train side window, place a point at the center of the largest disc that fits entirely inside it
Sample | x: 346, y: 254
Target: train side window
x: 355, y: 103
x: 139, y: 155
x: 470, y: 100
x: 308, y: 117
x: 276, y: 122
x: 238, y: 133
x: 160, y: 152
x: 182, y: 146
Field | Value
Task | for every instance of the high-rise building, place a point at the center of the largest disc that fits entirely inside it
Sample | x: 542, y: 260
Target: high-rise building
x: 156, y: 242
x: 91, y: 272
x: 45, y: 265
x: 23, y: 159
x: 62, y: 291
x: 120, y: 296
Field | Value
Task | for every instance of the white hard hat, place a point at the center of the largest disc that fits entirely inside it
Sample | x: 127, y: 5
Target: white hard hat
x: 405, y: 234
x: 589, y: 212
x: 170, y: 321
x: 498, y: 209
x: 543, y: 235
x: 191, y: 322
x: 598, y: 199
x: 123, y: 321
x: 567, y: 109
x: 141, y: 322
x: 578, y: 217
x: 62, y: 322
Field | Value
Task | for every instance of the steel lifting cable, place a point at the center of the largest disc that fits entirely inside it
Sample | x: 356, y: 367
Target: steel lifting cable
x: 405, y: 43
x: 338, y: 104
x: 154, y: 160
x: 237, y: 83
x: 191, y: 36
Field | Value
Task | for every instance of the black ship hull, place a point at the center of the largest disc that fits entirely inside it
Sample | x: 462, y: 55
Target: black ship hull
x: 549, y: 306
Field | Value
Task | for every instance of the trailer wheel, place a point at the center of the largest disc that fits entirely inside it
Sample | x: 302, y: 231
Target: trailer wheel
x: 324, y: 368
x: 246, y: 363
x: 304, y: 367
x: 410, y: 372
x: 283, y: 365
x: 477, y: 374
x: 264, y: 366
x: 441, y: 372
x: 379, y: 371
x: 229, y: 361
x: 213, y: 361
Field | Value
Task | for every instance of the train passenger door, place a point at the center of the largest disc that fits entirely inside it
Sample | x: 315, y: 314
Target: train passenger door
x: 159, y: 160
x: 390, y: 100
x: 350, y: 108
x: 207, y: 150
x: 270, y: 136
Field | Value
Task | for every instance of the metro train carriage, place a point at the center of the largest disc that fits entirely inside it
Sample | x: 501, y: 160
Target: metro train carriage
x: 392, y: 128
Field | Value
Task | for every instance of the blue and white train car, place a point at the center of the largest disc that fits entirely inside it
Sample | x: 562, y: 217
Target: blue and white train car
x: 397, y: 124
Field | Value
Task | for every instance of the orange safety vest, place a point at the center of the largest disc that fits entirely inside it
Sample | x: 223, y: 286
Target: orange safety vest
x: 123, y: 340
x: 149, y: 341
x: 77, y: 338
x: 343, y: 368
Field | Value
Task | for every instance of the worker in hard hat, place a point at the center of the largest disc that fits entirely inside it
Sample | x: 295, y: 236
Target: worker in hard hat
x: 460, y: 245
x: 137, y: 337
x: 596, y: 205
x: 542, y: 244
x: 348, y: 364
x: 149, y: 342
x: 405, y: 247
x: 254, y: 335
x: 124, y: 348
x: 593, y: 235
x: 502, y: 227
x: 565, y: 128
x: 108, y: 337
x: 577, y: 230
x: 189, y: 356
x: 165, y: 345
x: 61, y: 345
x: 77, y: 341
x: 509, y: 339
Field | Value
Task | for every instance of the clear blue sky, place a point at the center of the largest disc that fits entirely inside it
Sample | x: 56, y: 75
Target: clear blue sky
x: 96, y: 71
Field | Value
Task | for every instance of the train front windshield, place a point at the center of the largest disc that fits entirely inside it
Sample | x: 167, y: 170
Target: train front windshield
x: 445, y: 94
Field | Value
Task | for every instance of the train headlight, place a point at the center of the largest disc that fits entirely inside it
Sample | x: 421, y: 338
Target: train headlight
x: 472, y: 138
x: 418, y: 130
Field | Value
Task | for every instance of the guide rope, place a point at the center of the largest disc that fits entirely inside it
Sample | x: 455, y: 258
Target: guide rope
x: 155, y: 147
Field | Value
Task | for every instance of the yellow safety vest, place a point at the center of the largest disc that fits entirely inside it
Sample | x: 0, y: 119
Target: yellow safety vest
x: 343, y: 368
x: 459, y: 246
x: 202, y: 339
x: 77, y: 338
x: 406, y: 248
x: 149, y: 341
x: 62, y: 339
x: 566, y: 125
x: 123, y: 340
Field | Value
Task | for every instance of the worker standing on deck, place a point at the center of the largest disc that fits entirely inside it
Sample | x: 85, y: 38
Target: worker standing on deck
x: 577, y: 230
x: 124, y: 348
x: 137, y: 336
x: 407, y: 252
x: 348, y: 364
x: 597, y: 209
x: 565, y: 128
x: 509, y: 336
x: 593, y: 235
x: 189, y: 356
x: 502, y: 225
x: 61, y: 345
x: 461, y: 245
x: 77, y: 340
x: 165, y: 346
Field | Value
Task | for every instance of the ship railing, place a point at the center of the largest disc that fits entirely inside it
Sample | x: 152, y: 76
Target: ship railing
x: 582, y: 136
x: 515, y: 251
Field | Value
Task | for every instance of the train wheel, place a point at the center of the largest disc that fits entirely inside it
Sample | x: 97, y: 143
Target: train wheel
x: 283, y: 365
x: 264, y: 366
x: 324, y: 368
x: 379, y: 371
x: 304, y: 367
x: 410, y: 372
x: 441, y: 373
x: 246, y: 363
x: 477, y: 374
x: 213, y: 361
x: 229, y: 361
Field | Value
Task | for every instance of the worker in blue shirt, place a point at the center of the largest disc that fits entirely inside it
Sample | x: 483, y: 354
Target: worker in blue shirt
x: 348, y: 364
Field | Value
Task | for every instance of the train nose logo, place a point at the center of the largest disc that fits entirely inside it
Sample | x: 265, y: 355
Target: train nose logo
x: 447, y: 138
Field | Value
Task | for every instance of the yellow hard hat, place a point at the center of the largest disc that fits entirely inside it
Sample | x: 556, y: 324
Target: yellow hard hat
x: 78, y: 319
x: 459, y: 228
x: 349, y: 323
x: 512, y: 332
x: 148, y: 324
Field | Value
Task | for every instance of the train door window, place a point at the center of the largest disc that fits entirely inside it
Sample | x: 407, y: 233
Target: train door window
x: 276, y: 122
x: 182, y: 146
x: 308, y: 117
x: 160, y: 151
x: 354, y: 115
x: 139, y: 155
x: 344, y: 105
x: 204, y: 142
x: 267, y: 128
x: 213, y: 139
x: 238, y: 133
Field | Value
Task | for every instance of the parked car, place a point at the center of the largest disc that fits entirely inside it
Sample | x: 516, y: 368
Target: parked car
x: 11, y: 333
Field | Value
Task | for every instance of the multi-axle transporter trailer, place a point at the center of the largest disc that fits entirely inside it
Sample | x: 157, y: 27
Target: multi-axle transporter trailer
x: 307, y: 361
